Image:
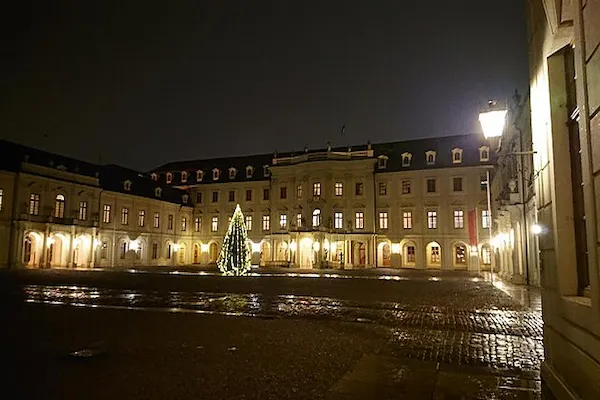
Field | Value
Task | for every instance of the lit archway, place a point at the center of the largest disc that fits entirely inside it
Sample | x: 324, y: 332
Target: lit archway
x: 32, y: 249
x: 384, y: 254
x: 213, y: 252
x: 460, y: 255
x: 409, y: 254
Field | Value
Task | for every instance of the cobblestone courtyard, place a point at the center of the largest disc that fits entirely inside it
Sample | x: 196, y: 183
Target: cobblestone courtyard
x: 349, y: 335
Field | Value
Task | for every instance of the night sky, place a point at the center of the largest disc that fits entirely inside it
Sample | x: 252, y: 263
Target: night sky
x: 149, y: 82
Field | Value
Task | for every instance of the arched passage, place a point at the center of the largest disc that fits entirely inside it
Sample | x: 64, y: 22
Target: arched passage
x: 265, y: 251
x: 409, y: 254
x: 384, y: 254
x: 213, y: 252
x: 433, y: 255
x: 32, y: 249
x: 196, y: 255
x: 460, y: 255
x: 359, y: 253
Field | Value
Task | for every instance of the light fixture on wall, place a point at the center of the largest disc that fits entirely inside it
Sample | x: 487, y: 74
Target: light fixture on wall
x: 536, y: 229
x: 493, y: 120
x: 395, y: 248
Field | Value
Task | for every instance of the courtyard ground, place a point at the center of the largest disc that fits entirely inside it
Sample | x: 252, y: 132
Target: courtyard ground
x: 277, y: 335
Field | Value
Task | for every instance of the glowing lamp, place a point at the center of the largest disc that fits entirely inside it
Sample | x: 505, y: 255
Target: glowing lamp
x: 395, y: 248
x: 492, y: 120
x: 134, y: 245
x: 96, y: 242
x: 333, y: 247
x: 316, y: 246
x: 204, y: 247
x: 49, y: 241
x: 293, y: 246
x: 474, y: 250
x: 255, y: 247
x: 176, y: 247
x: 284, y: 246
x: 536, y: 229
x: 76, y: 243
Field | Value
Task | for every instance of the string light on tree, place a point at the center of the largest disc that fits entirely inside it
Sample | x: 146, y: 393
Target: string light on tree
x: 235, y: 256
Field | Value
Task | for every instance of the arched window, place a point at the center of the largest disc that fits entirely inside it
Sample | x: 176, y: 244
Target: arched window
x: 316, y: 218
x: 59, y: 207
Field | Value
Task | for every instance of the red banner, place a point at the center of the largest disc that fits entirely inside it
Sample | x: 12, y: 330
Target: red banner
x: 473, y: 227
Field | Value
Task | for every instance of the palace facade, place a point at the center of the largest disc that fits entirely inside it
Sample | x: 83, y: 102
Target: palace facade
x: 412, y: 204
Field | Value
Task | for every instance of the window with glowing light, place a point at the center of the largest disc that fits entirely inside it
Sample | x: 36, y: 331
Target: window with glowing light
x: 316, y: 218
x: 214, y: 224
x: 406, y: 186
x: 485, y: 219
x: 283, y: 221
x: 486, y: 254
x: 382, y: 188
x: 59, y: 206
x: 410, y: 254
x: 359, y: 220
x: 339, y: 189
x: 34, y: 204
x: 198, y: 224
x: 299, y: 220
x: 83, y: 208
x: 432, y: 219
x: 248, y: 222
x: 157, y: 220
x: 266, y: 222
x: 383, y: 220
x: 459, y: 219
x: 299, y: 191
x: 170, y: 222
x: 338, y: 220
x: 460, y: 254
x: 106, y: 214
x: 183, y: 224
x: 141, y: 218
x: 317, y: 189
x: 125, y: 216
x: 407, y: 219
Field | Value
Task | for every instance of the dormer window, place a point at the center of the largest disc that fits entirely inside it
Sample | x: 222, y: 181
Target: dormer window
x: 265, y: 170
x: 169, y: 177
x: 127, y: 185
x: 430, y: 157
x: 157, y: 192
x: 216, y: 174
x: 232, y: 173
x: 406, y: 157
x: 184, y: 177
x: 484, y: 153
x: 185, y: 198
x: 249, y: 171
x: 382, y: 162
x: 199, y: 175
x: 457, y: 155
x: 154, y: 177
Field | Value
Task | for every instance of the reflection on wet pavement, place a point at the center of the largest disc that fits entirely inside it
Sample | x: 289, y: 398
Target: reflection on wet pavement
x: 499, y: 338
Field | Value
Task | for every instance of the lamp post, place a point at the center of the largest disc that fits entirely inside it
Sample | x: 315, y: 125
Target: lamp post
x: 492, y: 122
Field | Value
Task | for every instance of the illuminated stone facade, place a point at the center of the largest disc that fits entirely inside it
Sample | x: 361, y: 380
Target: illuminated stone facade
x: 412, y: 204
x: 564, y: 39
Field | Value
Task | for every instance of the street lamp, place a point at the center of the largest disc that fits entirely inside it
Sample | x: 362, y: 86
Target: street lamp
x: 492, y: 122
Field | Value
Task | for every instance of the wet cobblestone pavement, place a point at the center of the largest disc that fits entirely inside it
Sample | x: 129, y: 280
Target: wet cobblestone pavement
x: 455, y: 334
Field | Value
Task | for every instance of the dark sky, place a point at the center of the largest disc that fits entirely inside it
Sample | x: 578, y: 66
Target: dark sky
x: 143, y: 83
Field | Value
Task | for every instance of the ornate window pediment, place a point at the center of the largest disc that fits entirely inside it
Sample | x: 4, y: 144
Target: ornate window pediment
x: 184, y: 176
x: 266, y: 170
x: 169, y: 177
x: 216, y: 174
x: 249, y: 171
x: 484, y: 153
x: 127, y: 185
x: 232, y: 173
x: 406, y: 157
x: 185, y: 198
x: 158, y: 192
x: 430, y: 157
x: 199, y: 175
x: 382, y: 162
x: 457, y: 155
x: 154, y: 176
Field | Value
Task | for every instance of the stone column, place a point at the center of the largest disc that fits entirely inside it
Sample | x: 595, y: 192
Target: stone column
x: 92, y: 256
x: 70, y: 259
x: 44, y: 255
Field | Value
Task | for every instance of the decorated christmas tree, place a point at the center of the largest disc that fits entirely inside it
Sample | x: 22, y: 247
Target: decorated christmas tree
x: 235, y: 255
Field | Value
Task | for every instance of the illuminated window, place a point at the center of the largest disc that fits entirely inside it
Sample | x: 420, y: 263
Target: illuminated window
x: 266, y: 222
x: 83, y: 208
x: 407, y: 219
x: 460, y: 254
x: 248, y: 222
x: 59, y: 206
x: 157, y: 220
x: 486, y: 254
x: 299, y: 220
x: 485, y: 219
x: 183, y: 224
x: 214, y: 224
x: 141, y: 218
x: 106, y: 214
x: 170, y: 222
x: 283, y: 221
x: 432, y: 219
x: 410, y: 254
x: 317, y: 189
x: 125, y: 216
x: 435, y: 254
x: 339, y: 189
x: 34, y: 204
x: 198, y: 224
x: 383, y: 220
x: 483, y: 182
x: 104, y: 250
x: 338, y: 220
x: 299, y: 191
x: 459, y: 219
x: 359, y: 220
x: 316, y: 219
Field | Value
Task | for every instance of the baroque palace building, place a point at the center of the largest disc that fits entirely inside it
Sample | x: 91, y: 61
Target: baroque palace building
x: 410, y: 204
